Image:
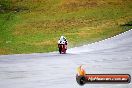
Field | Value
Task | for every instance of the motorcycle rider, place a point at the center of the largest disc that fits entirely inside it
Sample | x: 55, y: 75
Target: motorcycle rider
x: 62, y: 40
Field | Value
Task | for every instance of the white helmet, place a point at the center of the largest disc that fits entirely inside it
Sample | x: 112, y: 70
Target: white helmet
x: 62, y: 38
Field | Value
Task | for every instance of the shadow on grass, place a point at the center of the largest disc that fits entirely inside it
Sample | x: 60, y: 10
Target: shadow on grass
x: 127, y: 26
x: 7, y: 6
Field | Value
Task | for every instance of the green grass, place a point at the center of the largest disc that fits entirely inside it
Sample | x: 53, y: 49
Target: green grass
x: 34, y: 26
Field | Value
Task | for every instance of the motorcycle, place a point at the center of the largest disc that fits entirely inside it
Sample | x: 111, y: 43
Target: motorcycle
x: 62, y: 48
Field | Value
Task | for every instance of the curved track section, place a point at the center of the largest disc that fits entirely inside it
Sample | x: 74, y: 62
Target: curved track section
x: 52, y: 70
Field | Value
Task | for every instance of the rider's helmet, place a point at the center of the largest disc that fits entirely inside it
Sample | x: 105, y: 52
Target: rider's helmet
x: 62, y: 38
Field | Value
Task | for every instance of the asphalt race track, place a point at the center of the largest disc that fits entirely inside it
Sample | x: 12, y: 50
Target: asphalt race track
x: 52, y: 70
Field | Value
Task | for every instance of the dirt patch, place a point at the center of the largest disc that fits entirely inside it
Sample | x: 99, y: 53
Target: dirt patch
x: 4, y: 51
x: 49, y: 26
x: 42, y: 43
x: 71, y: 5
